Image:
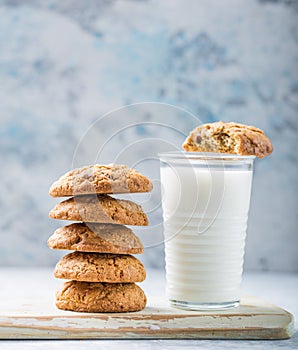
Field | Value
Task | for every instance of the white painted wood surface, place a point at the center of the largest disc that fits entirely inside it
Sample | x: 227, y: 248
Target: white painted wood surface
x: 37, y: 318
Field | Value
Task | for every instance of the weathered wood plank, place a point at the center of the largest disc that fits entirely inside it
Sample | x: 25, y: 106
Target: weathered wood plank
x: 37, y: 319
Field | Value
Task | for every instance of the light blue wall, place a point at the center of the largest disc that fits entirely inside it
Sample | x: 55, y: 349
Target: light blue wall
x: 63, y: 64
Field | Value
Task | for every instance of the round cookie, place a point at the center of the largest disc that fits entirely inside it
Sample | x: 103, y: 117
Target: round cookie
x: 95, y: 267
x: 232, y: 138
x: 100, y: 208
x: 112, y: 178
x: 100, y: 297
x: 96, y: 237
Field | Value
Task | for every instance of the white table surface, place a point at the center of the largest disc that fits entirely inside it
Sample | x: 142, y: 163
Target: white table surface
x: 277, y: 288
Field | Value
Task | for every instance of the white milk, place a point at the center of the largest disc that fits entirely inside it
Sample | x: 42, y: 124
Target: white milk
x: 205, y: 207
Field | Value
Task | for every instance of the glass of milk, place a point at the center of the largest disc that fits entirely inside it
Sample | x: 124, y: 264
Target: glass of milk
x: 205, y: 201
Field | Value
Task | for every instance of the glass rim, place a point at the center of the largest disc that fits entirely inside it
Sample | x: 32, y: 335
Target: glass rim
x: 212, y: 156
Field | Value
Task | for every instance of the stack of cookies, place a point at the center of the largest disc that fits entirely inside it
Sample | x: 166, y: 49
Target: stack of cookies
x: 101, y: 271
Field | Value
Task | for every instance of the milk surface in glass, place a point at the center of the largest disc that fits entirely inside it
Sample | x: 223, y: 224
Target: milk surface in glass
x: 205, y: 200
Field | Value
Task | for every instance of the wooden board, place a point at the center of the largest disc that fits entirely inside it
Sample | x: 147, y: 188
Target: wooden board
x: 36, y: 319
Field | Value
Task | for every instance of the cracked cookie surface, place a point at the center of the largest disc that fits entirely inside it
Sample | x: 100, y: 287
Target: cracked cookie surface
x: 96, y: 267
x: 232, y: 138
x: 100, y: 297
x: 96, y: 237
x: 100, y: 208
x: 100, y: 179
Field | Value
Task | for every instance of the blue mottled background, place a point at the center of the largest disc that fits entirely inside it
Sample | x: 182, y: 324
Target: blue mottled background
x: 64, y: 64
